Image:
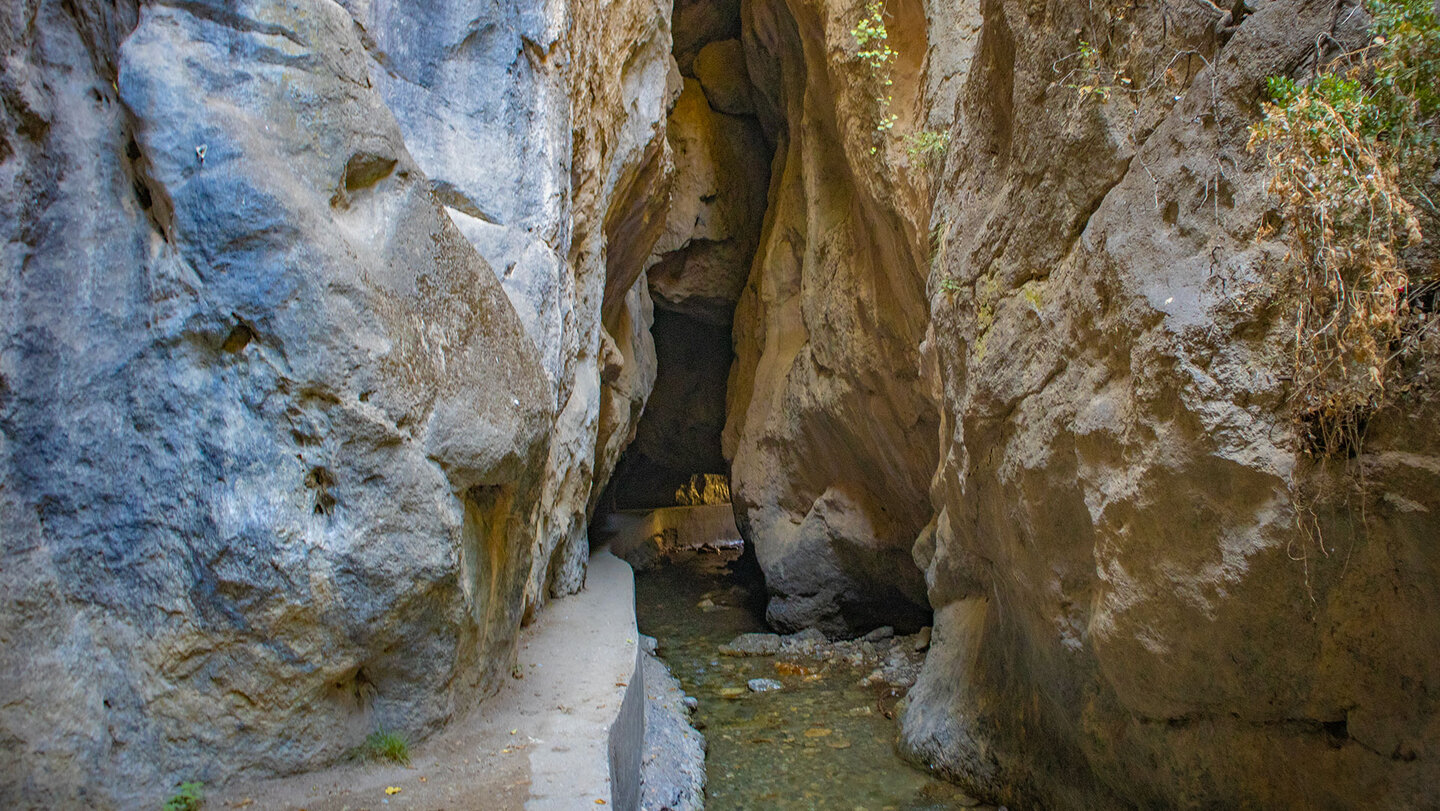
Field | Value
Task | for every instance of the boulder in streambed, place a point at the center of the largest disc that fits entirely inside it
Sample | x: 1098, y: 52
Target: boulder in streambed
x: 752, y: 645
x: 764, y: 685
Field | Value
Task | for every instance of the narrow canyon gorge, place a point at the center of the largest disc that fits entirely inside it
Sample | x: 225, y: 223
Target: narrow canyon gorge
x: 1085, y: 351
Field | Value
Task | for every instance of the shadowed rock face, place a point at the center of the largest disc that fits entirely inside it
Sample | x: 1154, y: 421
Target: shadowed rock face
x: 679, y: 433
x: 830, y: 434
x: 1122, y: 593
x: 284, y: 457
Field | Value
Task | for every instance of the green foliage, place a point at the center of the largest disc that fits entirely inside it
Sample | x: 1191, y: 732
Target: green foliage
x: 927, y: 145
x: 874, y: 41
x: 383, y: 744
x: 1348, y: 151
x: 188, y: 797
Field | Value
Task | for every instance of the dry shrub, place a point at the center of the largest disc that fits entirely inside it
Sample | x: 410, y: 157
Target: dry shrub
x: 1349, y: 152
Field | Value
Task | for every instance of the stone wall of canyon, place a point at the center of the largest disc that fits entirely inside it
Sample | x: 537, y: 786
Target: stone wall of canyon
x: 326, y: 323
x: 320, y: 324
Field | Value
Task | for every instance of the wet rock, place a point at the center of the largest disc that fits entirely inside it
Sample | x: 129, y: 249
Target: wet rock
x: 882, y: 633
x: 921, y: 640
x: 752, y: 645
x: 672, y: 766
x: 764, y: 685
x: 808, y: 642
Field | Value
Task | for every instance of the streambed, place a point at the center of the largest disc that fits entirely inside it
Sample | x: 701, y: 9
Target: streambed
x: 822, y: 741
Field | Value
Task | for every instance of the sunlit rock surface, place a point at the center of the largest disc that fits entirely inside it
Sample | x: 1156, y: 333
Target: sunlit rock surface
x: 304, y: 386
x: 1134, y: 584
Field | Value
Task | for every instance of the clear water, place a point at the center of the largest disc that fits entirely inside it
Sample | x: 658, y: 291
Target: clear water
x: 823, y: 742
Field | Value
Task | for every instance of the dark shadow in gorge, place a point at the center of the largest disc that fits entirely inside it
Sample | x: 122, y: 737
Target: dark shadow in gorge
x: 702, y: 260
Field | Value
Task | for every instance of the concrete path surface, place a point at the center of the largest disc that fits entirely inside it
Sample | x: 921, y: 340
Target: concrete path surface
x: 567, y: 735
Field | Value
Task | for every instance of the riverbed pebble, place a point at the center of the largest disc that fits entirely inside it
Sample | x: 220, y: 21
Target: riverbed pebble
x: 752, y: 645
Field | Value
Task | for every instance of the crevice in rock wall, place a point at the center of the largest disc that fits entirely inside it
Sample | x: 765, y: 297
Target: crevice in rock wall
x: 829, y: 430
x: 701, y: 257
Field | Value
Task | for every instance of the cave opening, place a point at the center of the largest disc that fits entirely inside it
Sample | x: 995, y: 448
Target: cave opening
x: 698, y: 267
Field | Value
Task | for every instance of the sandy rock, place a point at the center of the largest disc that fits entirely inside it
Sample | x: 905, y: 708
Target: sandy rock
x: 831, y: 438
x: 921, y: 640
x: 720, y: 67
x: 752, y: 645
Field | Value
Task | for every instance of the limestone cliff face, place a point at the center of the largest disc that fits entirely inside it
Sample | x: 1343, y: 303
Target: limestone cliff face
x: 320, y: 322
x: 1132, y: 585
x: 1140, y: 598
x: 831, y: 436
x: 489, y: 104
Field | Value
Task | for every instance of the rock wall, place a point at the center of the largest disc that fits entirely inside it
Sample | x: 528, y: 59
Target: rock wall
x: 1146, y: 593
x: 831, y: 435
x: 324, y: 324
x: 1139, y: 600
x: 701, y: 259
x: 320, y: 324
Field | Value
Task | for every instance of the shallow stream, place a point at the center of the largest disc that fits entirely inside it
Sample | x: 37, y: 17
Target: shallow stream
x: 822, y: 742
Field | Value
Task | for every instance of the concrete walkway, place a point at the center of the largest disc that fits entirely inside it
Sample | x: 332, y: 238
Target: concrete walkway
x: 567, y: 735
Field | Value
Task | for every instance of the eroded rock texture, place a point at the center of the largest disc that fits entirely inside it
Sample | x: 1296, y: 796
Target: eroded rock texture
x: 1134, y: 582
x: 287, y: 453
x: 700, y: 262
x: 831, y: 436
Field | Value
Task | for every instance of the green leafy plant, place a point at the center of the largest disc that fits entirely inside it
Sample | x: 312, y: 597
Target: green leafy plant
x: 1348, y: 152
x: 874, y: 41
x: 187, y: 797
x: 383, y: 744
x: 927, y: 145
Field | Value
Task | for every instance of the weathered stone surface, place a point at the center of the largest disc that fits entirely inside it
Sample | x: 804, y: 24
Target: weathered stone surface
x: 830, y: 435
x: 717, y: 207
x: 700, y: 21
x: 1128, y: 588
x: 271, y: 482
x: 284, y: 457
x: 672, y: 770
x: 496, y: 85
x: 700, y: 264
x: 720, y: 67
x: 752, y: 645
x: 680, y: 432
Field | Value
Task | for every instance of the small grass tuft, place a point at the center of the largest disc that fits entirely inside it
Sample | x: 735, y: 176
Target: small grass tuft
x: 383, y: 744
x: 188, y: 797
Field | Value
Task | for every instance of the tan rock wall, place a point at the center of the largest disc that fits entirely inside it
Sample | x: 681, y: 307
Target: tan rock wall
x: 831, y: 436
x: 1130, y: 607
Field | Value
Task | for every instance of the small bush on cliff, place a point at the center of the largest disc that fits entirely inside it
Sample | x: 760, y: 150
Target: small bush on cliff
x: 927, y: 146
x: 188, y: 797
x: 383, y: 744
x: 874, y: 41
x: 1350, y: 151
